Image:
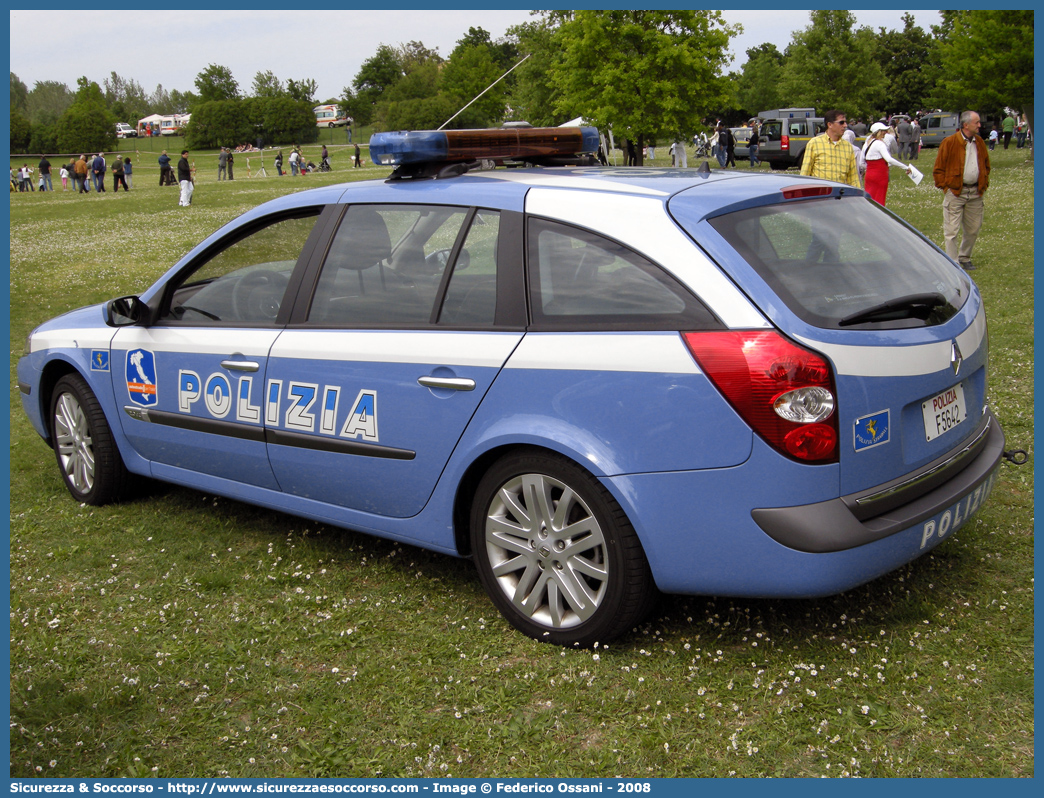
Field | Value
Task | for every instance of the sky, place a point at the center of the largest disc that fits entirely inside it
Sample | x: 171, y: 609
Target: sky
x: 168, y: 48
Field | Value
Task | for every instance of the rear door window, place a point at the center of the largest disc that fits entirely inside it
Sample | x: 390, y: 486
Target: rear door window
x: 581, y: 280
x: 834, y: 262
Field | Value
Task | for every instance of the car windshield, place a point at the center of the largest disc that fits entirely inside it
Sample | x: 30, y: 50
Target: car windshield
x: 846, y: 263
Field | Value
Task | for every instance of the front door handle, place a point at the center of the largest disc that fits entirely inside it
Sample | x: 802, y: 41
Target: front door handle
x: 450, y: 383
x: 240, y: 365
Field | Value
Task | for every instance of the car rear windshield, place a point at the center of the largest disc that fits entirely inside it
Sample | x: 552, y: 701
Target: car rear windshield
x: 846, y: 263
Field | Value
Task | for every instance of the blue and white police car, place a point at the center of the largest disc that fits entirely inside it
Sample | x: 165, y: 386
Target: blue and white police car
x: 597, y: 383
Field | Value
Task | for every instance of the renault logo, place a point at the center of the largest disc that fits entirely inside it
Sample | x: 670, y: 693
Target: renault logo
x: 956, y: 358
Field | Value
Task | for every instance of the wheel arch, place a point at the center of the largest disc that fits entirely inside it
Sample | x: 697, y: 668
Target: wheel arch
x: 58, y: 367
x: 52, y: 372
x: 468, y: 484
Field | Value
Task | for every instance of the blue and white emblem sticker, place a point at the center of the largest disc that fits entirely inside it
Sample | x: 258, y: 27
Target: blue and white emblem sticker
x: 141, y: 377
x: 872, y: 430
x: 99, y: 360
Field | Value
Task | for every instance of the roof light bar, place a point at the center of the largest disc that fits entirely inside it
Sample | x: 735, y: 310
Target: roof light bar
x: 407, y: 147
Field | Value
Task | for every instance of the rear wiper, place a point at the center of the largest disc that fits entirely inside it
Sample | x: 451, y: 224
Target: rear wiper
x: 904, y: 307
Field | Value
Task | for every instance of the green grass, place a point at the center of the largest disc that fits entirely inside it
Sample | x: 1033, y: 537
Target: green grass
x: 181, y: 634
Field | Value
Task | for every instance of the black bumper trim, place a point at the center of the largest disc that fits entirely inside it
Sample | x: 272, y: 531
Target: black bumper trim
x: 831, y: 525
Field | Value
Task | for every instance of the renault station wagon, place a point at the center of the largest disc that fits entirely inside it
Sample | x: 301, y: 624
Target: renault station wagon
x: 596, y: 383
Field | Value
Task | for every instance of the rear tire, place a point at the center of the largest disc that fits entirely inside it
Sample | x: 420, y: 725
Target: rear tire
x: 556, y: 553
x: 87, y: 456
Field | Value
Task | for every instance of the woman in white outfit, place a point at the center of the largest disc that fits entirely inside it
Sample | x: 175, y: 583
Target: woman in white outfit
x: 875, y: 150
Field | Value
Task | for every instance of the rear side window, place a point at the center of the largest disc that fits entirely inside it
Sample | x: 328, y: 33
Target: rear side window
x: 846, y: 263
x: 581, y: 280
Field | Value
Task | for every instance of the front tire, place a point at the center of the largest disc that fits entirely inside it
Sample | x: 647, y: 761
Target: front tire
x: 556, y: 553
x: 87, y: 456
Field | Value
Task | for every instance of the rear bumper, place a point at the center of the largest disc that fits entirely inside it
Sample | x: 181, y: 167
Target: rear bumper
x: 729, y: 531
x: 939, y: 496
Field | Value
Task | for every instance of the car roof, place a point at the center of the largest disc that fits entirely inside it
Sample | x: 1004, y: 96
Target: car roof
x: 506, y: 189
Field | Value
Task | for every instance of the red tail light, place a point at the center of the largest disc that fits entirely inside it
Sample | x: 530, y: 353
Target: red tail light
x: 783, y: 391
x: 784, y: 142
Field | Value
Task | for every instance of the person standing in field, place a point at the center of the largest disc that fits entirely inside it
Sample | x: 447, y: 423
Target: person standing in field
x: 962, y: 171
x: 185, y: 179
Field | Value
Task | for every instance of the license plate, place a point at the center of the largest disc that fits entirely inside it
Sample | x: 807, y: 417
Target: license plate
x: 944, y: 411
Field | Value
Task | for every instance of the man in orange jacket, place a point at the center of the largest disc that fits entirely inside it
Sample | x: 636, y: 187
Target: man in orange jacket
x: 962, y: 171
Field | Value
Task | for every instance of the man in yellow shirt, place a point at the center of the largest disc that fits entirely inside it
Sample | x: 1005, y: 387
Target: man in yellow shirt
x: 830, y: 156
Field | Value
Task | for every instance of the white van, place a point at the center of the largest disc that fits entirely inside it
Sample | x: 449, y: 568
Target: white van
x: 125, y: 131
x: 330, y: 116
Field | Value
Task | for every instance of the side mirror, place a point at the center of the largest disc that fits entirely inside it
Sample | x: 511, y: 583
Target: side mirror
x: 126, y: 312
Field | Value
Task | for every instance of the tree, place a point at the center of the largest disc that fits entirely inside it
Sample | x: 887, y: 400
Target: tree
x: 830, y: 65
x: 48, y: 100
x: 414, y: 54
x: 758, y: 84
x: 412, y: 100
x: 266, y: 84
x: 216, y: 83
x: 909, y: 59
x: 532, y: 95
x: 88, y: 125
x: 378, y: 73
x: 126, y: 98
x: 180, y: 102
x: 986, y: 60
x: 219, y: 123
x: 21, y: 131
x: 19, y: 95
x: 302, y: 90
x: 224, y: 123
x: 284, y: 120
x: 159, y: 101
x: 647, y: 74
x: 468, y: 73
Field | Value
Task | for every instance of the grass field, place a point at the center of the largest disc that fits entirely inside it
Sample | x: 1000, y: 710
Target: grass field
x: 184, y: 635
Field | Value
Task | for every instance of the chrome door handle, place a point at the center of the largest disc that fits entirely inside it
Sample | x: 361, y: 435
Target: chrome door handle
x: 240, y: 365
x: 450, y: 383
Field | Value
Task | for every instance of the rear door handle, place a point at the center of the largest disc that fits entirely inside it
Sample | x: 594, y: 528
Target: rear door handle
x: 449, y: 383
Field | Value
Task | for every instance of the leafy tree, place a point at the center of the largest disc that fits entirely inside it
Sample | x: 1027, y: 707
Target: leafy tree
x: 986, y: 60
x: 19, y: 95
x: 21, y: 131
x: 225, y: 123
x: 266, y: 84
x: 421, y: 113
x: 126, y: 98
x: 44, y: 139
x: 648, y: 74
x: 378, y: 73
x: 350, y: 105
x: 88, y: 125
x: 216, y: 83
x: 48, y: 100
x: 830, y: 65
x: 532, y: 95
x: 219, y: 123
x: 415, y: 54
x: 180, y: 102
x: 303, y: 90
x: 910, y: 62
x: 284, y: 120
x: 159, y: 101
x: 412, y: 98
x: 758, y: 83
x: 468, y: 73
